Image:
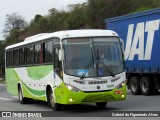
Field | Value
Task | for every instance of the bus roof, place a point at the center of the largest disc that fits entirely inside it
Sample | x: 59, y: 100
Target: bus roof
x: 64, y: 34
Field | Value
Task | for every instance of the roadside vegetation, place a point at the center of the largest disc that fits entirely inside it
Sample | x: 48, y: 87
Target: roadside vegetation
x: 77, y: 16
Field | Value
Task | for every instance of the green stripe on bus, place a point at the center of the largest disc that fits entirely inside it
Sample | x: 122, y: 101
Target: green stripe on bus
x: 35, y: 92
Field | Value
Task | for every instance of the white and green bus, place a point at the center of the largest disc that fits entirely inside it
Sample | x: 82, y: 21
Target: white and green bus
x: 67, y: 67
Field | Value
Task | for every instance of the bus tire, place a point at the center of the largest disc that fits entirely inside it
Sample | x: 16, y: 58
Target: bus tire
x: 146, y: 86
x: 51, y: 102
x: 101, y: 105
x: 20, y: 95
x: 135, y: 85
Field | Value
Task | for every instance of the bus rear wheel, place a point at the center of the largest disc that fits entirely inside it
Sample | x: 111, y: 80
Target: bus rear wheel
x: 101, y: 105
x: 51, y: 102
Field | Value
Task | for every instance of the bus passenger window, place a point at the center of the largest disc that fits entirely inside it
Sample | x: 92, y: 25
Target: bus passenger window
x: 15, y: 58
x: 48, y: 52
x: 21, y: 56
x: 30, y: 55
x: 11, y: 58
x: 7, y: 59
x: 38, y: 54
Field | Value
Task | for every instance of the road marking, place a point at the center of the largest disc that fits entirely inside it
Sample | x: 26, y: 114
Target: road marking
x: 6, y: 108
x: 1, y: 98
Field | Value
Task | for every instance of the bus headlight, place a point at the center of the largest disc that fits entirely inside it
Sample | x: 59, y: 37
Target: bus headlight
x: 72, y: 88
x: 121, y: 85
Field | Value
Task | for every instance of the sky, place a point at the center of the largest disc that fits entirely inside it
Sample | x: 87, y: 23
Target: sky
x: 29, y: 8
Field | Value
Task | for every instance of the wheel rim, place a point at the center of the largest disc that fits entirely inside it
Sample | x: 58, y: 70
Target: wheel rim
x: 144, y: 86
x: 134, y: 86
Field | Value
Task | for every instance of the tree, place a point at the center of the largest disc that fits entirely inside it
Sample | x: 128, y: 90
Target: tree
x: 14, y: 22
x: 142, y: 5
x: 2, y: 47
x: 78, y: 16
x: 98, y: 10
x: 122, y: 7
x: 13, y: 37
x: 56, y: 20
x: 37, y: 25
x: 37, y: 18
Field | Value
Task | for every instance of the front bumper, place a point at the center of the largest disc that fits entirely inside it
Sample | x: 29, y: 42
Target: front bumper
x: 65, y: 96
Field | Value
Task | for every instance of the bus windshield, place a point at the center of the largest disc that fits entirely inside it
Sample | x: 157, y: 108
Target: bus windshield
x: 93, y: 57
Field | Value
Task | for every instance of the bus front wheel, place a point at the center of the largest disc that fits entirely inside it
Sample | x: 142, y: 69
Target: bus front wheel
x: 101, y: 105
x: 51, y: 102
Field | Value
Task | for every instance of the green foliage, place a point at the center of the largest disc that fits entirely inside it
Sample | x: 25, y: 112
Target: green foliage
x: 2, y: 48
x: 78, y: 16
x: 13, y: 37
x: 14, y: 21
x: 86, y: 15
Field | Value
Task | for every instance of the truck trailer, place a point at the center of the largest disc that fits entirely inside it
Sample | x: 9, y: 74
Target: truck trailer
x: 141, y: 35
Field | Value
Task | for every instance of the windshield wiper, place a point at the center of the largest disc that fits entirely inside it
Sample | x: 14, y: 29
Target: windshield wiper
x: 107, y: 68
x: 88, y: 66
x: 104, y: 65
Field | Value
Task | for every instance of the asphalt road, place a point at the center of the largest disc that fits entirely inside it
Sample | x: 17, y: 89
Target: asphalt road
x: 133, y: 103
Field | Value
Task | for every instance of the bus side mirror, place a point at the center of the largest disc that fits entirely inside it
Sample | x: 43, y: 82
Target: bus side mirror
x: 61, y: 55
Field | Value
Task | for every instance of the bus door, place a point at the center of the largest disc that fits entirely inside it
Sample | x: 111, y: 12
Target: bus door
x: 57, y: 66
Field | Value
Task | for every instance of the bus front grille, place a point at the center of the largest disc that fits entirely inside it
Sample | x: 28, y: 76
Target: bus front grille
x: 98, y: 98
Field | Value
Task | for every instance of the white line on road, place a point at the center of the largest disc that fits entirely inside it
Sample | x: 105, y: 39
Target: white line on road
x: 1, y: 98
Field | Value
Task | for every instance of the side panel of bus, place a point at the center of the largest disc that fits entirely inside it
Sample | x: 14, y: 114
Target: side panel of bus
x: 33, y: 72
x: 32, y: 79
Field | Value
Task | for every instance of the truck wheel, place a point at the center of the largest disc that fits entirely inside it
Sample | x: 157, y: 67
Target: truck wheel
x: 51, y: 102
x: 101, y: 105
x: 20, y: 95
x: 135, y: 85
x: 146, y: 85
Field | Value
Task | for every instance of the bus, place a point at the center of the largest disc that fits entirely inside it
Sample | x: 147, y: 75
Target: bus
x: 67, y: 67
